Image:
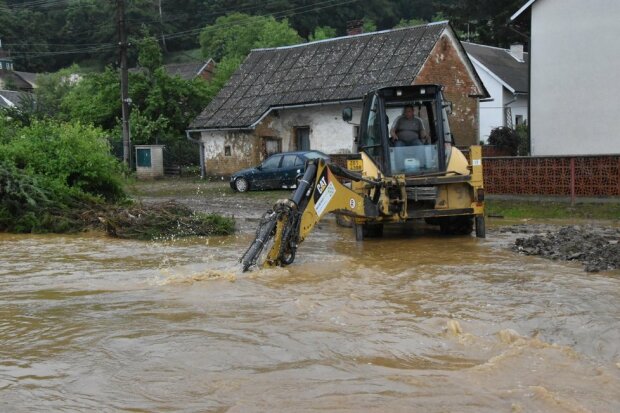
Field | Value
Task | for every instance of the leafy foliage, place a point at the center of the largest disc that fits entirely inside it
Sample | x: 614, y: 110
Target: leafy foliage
x: 235, y: 34
x: 45, y: 36
x: 410, y: 23
x: 482, y: 21
x: 95, y: 99
x: 515, y: 142
x: 69, y: 158
x: 26, y: 205
x: 322, y: 33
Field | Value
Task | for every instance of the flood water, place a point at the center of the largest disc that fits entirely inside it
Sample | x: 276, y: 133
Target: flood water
x: 411, y: 322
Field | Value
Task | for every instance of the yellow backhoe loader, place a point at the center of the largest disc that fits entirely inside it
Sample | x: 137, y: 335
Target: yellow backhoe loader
x: 384, y: 182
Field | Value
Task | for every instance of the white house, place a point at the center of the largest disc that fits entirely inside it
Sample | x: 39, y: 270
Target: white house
x: 291, y: 98
x: 504, y: 73
x: 574, y: 89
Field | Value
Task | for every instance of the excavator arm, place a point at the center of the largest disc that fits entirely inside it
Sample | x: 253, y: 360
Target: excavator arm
x: 288, y: 223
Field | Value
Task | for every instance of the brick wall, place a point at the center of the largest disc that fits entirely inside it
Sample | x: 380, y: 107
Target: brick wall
x: 445, y: 66
x: 575, y: 176
x: 578, y: 176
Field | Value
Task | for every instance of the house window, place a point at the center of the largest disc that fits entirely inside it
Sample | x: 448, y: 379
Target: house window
x: 519, y: 120
x: 227, y: 150
x: 302, y: 138
x: 270, y: 145
x: 356, y: 133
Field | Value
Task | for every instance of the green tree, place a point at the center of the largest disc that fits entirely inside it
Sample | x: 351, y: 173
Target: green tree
x: 369, y: 25
x: 149, y: 52
x: 322, y: 33
x: 52, y: 89
x: 235, y: 34
x: 482, y: 21
x: 70, y: 157
x: 95, y: 99
x: 410, y: 23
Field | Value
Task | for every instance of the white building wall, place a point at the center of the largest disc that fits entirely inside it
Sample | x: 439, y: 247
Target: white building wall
x: 574, y: 87
x: 519, y: 107
x: 328, y: 132
x: 213, y: 143
x: 491, y: 114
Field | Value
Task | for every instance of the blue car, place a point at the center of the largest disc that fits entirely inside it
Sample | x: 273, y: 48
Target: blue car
x: 282, y: 170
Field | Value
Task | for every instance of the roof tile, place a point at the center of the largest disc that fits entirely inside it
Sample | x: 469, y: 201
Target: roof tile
x: 330, y: 70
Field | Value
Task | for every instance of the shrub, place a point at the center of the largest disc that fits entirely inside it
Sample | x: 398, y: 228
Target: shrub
x: 524, y: 140
x: 68, y: 157
x: 506, y: 139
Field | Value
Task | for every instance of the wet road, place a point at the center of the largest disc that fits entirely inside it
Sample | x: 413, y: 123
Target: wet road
x: 407, y: 323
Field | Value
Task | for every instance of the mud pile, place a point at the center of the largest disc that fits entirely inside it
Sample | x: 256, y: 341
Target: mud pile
x: 597, y: 248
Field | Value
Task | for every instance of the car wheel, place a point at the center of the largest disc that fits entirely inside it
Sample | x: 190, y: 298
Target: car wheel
x: 242, y: 185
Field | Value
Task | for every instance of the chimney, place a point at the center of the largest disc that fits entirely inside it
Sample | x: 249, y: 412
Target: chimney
x: 516, y: 51
x: 355, y: 27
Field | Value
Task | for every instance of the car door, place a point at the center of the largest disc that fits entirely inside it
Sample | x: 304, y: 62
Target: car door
x: 289, y: 170
x: 269, y: 174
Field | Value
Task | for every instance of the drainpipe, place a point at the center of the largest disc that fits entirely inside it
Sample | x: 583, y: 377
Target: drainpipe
x: 201, y: 148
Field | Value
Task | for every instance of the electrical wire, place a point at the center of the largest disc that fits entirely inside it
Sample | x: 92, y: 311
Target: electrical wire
x: 108, y: 46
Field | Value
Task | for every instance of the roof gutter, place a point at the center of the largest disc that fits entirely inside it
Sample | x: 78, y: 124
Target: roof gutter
x: 303, y: 105
x: 272, y: 108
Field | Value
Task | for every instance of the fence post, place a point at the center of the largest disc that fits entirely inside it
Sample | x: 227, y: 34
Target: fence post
x: 618, y: 193
x: 572, y: 181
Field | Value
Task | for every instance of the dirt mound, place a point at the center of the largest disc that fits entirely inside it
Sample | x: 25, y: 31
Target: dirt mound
x: 597, y: 248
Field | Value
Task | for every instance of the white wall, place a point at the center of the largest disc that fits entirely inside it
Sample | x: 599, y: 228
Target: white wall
x: 328, y: 132
x: 519, y: 107
x: 491, y: 114
x: 575, y: 55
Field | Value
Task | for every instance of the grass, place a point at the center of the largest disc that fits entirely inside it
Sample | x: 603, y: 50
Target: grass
x: 550, y: 209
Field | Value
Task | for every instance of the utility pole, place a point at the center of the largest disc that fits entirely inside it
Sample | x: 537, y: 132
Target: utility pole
x: 161, y: 23
x: 125, y: 100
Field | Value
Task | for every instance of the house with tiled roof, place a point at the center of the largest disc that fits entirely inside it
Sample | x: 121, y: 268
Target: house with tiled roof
x: 191, y: 70
x: 291, y: 98
x: 574, y: 89
x: 187, y: 70
x: 504, y: 73
x: 14, y: 99
x: 10, y: 79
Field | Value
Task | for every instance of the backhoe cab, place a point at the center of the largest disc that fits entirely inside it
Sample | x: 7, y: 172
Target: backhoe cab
x: 385, y: 182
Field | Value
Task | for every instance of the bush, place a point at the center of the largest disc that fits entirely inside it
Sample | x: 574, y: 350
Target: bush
x: 506, y: 139
x: 524, y: 140
x: 29, y: 205
x: 69, y: 158
x: 515, y: 142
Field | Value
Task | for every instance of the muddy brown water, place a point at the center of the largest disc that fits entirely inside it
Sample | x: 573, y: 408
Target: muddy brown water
x: 411, y: 322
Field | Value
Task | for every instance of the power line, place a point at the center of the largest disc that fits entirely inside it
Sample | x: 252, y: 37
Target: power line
x: 249, y: 20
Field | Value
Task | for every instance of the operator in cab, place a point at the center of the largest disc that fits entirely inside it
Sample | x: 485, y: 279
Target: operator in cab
x: 408, y: 129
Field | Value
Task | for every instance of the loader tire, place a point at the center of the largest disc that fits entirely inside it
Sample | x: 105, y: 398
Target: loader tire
x: 457, y: 225
x: 367, y: 231
x: 481, y: 231
x: 372, y: 230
